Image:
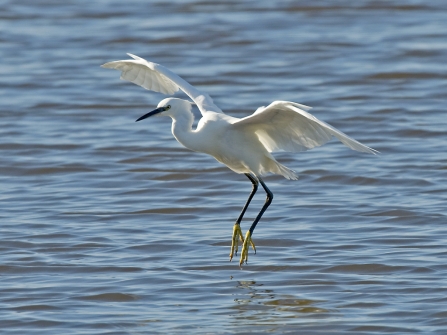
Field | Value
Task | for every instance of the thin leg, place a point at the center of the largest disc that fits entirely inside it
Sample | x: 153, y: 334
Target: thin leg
x: 267, y: 203
x: 253, y: 191
x: 247, y: 241
x: 237, y: 232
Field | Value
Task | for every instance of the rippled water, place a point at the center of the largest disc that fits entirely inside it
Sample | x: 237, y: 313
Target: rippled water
x: 111, y: 227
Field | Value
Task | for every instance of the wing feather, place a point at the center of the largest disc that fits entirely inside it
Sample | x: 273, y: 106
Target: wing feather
x: 287, y: 126
x: 155, y: 77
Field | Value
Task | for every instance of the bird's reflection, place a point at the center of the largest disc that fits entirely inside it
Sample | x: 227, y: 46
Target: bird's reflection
x: 256, y: 303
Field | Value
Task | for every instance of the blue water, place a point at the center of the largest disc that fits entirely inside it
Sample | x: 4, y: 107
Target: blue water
x: 111, y: 227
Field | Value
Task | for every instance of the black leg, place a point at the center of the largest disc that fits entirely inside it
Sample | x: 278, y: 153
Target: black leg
x: 267, y: 203
x: 248, y: 241
x: 237, y: 233
x: 253, y: 191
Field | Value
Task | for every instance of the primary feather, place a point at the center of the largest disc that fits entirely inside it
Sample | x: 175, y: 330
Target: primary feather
x: 155, y: 77
x: 286, y: 126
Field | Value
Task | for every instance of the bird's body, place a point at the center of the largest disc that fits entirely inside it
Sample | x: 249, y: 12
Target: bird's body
x: 244, y: 145
x: 217, y: 135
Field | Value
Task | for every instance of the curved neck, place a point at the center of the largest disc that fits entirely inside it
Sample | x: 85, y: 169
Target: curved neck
x: 182, y: 130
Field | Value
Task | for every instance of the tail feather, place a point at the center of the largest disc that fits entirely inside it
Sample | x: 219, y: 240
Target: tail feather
x: 285, y: 172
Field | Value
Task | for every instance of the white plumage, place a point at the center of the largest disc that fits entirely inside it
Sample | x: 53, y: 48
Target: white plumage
x: 155, y: 77
x: 244, y: 145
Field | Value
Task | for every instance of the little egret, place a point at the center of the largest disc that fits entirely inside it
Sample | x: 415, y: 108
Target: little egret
x: 244, y: 145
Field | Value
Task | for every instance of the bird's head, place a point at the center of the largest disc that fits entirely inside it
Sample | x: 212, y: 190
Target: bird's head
x: 168, y: 107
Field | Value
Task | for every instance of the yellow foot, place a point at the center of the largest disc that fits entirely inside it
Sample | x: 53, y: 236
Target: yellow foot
x: 244, y: 252
x: 237, y: 232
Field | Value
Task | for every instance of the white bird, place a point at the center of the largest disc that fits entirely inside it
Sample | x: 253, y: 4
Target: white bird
x: 244, y: 145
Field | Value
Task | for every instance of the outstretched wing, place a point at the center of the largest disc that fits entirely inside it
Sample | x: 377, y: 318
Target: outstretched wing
x: 287, y: 126
x: 155, y: 77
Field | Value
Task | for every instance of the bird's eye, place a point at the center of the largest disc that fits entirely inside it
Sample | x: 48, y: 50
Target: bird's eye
x: 168, y: 107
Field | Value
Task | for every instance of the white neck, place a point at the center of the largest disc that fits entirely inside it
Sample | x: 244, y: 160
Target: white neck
x: 182, y: 130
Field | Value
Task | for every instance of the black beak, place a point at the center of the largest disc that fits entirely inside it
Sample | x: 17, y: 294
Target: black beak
x: 155, y: 111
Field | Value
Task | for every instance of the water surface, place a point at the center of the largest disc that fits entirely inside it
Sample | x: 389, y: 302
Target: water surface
x: 111, y: 227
